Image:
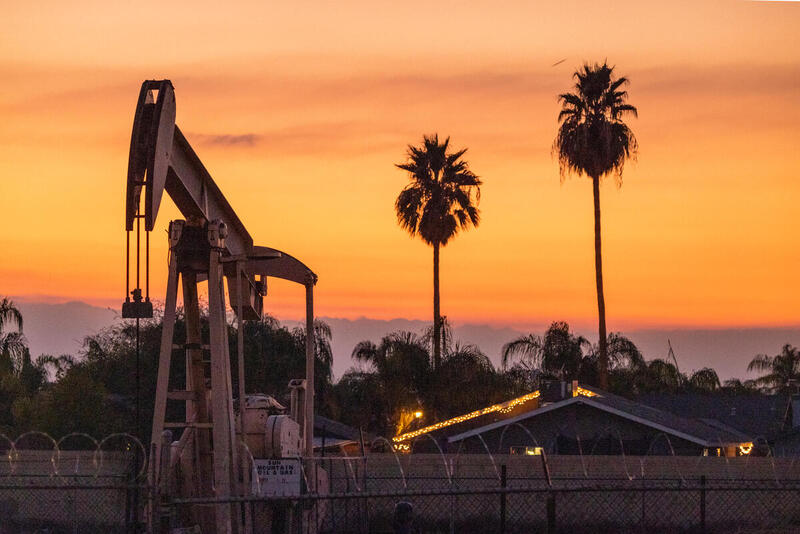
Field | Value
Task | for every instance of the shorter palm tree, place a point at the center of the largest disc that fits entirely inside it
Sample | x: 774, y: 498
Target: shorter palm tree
x: 13, y: 344
x: 737, y: 387
x: 9, y: 314
x: 402, y: 366
x: 782, y: 370
x: 661, y: 376
x: 58, y: 366
x: 465, y: 381
x: 558, y: 354
x: 705, y: 380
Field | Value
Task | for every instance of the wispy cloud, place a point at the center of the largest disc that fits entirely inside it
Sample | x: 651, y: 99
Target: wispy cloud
x: 248, y: 139
x: 311, y: 138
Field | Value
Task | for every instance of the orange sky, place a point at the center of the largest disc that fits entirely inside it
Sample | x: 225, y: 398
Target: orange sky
x: 299, y: 110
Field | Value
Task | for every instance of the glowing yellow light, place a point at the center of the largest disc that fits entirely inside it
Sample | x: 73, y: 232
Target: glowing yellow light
x: 417, y: 414
x: 504, y: 407
x: 533, y: 451
x: 745, y: 448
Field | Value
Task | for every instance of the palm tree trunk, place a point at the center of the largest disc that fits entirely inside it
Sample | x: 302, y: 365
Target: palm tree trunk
x: 437, y: 351
x: 601, y: 302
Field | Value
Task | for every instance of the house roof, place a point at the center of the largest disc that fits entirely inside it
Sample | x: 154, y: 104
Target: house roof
x: 332, y: 443
x: 336, y: 429
x: 501, y: 408
x: 753, y: 415
x: 692, y: 430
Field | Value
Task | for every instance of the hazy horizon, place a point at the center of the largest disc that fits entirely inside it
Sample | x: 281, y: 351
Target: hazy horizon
x: 57, y: 328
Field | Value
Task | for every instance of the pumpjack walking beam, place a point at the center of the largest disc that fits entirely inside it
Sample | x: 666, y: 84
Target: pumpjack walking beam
x: 212, y: 244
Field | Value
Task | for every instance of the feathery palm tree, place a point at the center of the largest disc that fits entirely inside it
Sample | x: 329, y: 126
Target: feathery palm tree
x: 782, y: 370
x: 662, y: 376
x: 705, y: 379
x: 593, y: 140
x: 626, y: 365
x: 12, y: 344
x: 440, y: 200
x: 559, y: 353
x: 9, y: 313
x: 401, y: 364
x: 465, y: 381
x: 58, y: 365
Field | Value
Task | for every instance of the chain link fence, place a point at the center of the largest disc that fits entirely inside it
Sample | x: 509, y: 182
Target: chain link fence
x: 72, y: 485
x: 59, y: 488
x: 612, y: 506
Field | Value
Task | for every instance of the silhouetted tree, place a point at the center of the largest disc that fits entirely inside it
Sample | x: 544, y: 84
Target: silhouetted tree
x: 399, y: 379
x: 9, y: 314
x: 75, y: 403
x: 625, y: 365
x: 593, y: 140
x: 58, y: 365
x: 782, y: 370
x: 20, y: 378
x: 402, y: 365
x: 273, y: 355
x: 465, y: 381
x: 734, y: 386
x: 705, y: 380
x: 661, y: 376
x: 12, y: 343
x: 441, y: 199
x: 558, y: 354
x: 360, y: 402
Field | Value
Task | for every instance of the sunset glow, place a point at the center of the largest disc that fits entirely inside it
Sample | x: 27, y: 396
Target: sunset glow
x: 300, y: 121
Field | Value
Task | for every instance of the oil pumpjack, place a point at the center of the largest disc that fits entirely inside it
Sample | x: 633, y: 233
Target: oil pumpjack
x: 211, y: 244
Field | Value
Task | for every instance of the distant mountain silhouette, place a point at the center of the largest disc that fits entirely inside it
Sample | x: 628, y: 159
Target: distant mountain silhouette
x: 60, y: 328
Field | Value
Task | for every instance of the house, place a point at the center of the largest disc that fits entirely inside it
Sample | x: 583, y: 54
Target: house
x: 568, y: 418
x: 333, y: 437
x: 772, y: 420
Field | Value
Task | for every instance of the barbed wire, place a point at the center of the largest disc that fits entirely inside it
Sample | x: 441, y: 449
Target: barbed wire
x: 75, y: 455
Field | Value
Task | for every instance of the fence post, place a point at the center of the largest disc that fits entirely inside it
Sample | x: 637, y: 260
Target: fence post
x: 551, y: 513
x: 644, y: 510
x: 503, y: 480
x: 703, y: 504
x: 73, y: 511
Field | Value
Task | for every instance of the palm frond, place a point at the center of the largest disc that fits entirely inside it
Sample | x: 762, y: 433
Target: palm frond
x: 760, y: 362
x: 526, y: 348
x: 365, y: 351
x: 9, y: 314
x: 592, y: 139
x: 443, y: 194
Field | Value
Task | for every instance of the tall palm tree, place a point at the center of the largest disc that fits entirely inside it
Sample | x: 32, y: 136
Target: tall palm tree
x: 440, y: 200
x: 593, y: 140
